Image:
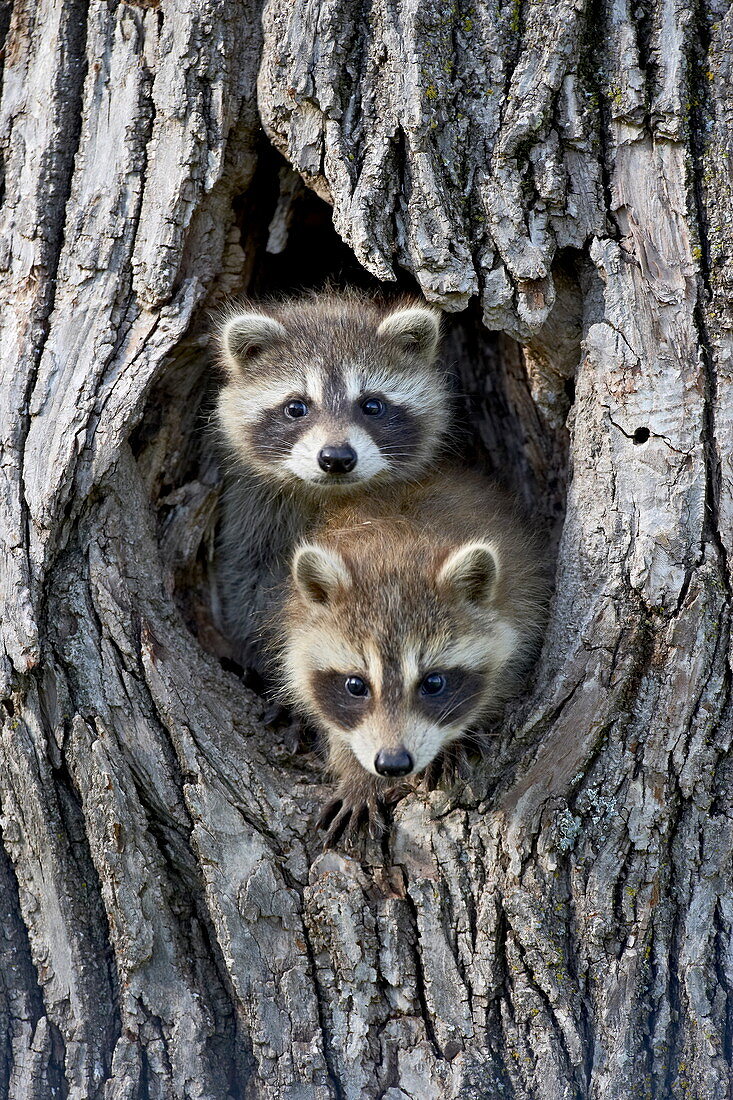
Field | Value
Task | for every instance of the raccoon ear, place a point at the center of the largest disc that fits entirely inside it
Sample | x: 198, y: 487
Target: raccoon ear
x: 243, y: 336
x: 319, y: 572
x: 471, y: 571
x: 415, y: 329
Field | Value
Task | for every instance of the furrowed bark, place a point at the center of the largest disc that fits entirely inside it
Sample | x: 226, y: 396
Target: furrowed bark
x: 559, y: 926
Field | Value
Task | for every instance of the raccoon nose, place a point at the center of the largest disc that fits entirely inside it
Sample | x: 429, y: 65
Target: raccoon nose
x: 393, y: 762
x: 337, y: 460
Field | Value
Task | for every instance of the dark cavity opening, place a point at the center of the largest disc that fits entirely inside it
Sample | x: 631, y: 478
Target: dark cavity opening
x: 641, y: 435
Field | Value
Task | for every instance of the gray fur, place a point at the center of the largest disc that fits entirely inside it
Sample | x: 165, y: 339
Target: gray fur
x: 258, y: 529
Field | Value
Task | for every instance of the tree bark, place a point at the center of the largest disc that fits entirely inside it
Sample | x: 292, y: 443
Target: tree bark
x: 559, y: 927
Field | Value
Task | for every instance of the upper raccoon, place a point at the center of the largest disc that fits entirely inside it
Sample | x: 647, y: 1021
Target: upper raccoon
x: 324, y: 395
x: 409, y: 618
x: 332, y: 391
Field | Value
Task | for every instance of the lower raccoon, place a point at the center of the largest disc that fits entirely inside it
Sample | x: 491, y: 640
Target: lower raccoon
x: 411, y: 616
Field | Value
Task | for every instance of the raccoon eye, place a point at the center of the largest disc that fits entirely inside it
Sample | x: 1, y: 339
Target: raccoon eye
x: 295, y: 409
x: 434, y: 684
x: 373, y: 407
x: 356, y: 686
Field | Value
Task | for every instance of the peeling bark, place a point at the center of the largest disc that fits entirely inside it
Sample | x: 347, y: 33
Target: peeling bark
x: 560, y: 927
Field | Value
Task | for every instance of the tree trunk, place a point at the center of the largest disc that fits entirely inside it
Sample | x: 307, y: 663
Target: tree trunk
x: 561, y: 927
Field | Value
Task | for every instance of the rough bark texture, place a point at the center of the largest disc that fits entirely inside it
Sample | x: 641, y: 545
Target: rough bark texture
x: 561, y: 927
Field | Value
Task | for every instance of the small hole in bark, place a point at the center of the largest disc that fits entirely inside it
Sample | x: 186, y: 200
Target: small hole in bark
x: 641, y: 435
x: 9, y: 707
x: 569, y: 388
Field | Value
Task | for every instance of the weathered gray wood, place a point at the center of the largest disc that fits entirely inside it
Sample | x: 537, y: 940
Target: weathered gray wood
x: 561, y: 926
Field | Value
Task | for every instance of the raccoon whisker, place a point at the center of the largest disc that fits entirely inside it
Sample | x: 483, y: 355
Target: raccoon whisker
x: 445, y: 715
x: 451, y: 448
x: 459, y: 703
x: 454, y: 452
x: 475, y: 738
x: 468, y: 738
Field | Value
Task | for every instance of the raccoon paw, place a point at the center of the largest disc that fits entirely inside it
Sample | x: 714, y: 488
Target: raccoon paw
x: 452, y: 765
x: 347, y: 819
x: 432, y: 774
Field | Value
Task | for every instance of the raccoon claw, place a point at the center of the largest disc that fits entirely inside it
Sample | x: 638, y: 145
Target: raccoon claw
x: 274, y: 714
x: 344, y: 821
x: 453, y: 765
x: 432, y: 775
x: 392, y: 795
x: 451, y: 768
x: 329, y: 813
x: 464, y: 765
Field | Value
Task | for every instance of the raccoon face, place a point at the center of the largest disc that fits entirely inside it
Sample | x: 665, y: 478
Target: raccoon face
x: 396, y: 667
x: 333, y: 394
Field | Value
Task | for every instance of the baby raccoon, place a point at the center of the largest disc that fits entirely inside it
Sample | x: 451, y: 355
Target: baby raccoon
x: 410, y: 617
x: 324, y: 396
